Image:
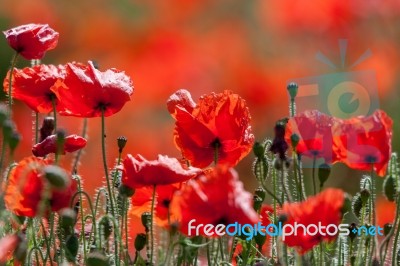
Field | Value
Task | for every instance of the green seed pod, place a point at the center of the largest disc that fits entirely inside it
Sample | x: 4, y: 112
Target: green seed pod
x: 97, y: 259
x: 56, y: 176
x: 357, y: 205
x: 126, y: 191
x: 260, y: 192
x: 140, y: 241
x: 324, y: 171
x: 72, y: 247
x: 389, y: 188
x: 292, y: 89
x: 365, y: 194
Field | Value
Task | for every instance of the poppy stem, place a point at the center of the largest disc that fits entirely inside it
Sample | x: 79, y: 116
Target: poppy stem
x: 151, y: 224
x: 53, y: 103
x: 313, y: 174
x: 46, y: 241
x: 10, y: 101
x: 36, y: 128
x: 79, y: 154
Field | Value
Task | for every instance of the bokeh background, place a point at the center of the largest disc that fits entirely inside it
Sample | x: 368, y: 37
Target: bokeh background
x: 251, y: 47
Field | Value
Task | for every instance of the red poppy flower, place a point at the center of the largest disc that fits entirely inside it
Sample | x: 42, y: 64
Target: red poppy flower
x: 364, y: 142
x: 141, y: 202
x: 216, y: 197
x: 324, y: 209
x: 49, y: 145
x: 8, y: 245
x: 85, y: 91
x: 32, y: 41
x: 218, y: 121
x: 139, y: 172
x: 315, y: 131
x: 25, y: 190
x: 32, y: 86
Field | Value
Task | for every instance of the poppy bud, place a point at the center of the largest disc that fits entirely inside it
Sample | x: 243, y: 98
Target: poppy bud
x: 353, y: 231
x: 365, y: 196
x: 278, y: 164
x: 257, y: 202
x: 96, y: 258
x: 258, y: 150
x: 387, y: 228
x: 389, y: 188
x: 294, y: 138
x: 121, y: 141
x: 323, y: 173
x: 146, y: 216
x: 71, y: 247
x: 292, y: 89
x: 3, y: 114
x: 260, y: 192
x: 47, y: 128
x: 105, y: 226
x: 357, y: 204
x: 126, y: 191
x: 140, y: 241
x: 67, y: 218
x: 14, y: 140
x: 260, y: 239
x: 60, y: 134
x: 375, y: 262
x: 282, y: 218
x: 56, y: 176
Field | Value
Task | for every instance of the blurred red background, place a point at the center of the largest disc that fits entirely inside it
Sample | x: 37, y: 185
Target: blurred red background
x: 250, y: 47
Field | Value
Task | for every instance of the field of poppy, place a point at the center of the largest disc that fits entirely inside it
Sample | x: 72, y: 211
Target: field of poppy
x: 106, y: 165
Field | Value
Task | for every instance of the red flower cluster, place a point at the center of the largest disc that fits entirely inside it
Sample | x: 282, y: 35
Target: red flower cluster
x: 139, y: 172
x: 218, y: 123
x: 32, y: 40
x: 27, y: 189
x: 359, y: 142
x: 216, y: 197
x: 324, y: 208
x: 49, y: 145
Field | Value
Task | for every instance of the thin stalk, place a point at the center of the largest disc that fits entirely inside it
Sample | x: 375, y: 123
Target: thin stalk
x: 36, y: 127
x: 46, y: 240
x: 10, y: 101
x: 313, y: 174
x: 151, y: 224
x: 53, y: 103
x: 82, y: 222
x: 79, y: 154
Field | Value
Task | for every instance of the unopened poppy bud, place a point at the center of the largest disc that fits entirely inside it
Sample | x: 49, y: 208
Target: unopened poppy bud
x: 324, y: 171
x: 14, y: 140
x: 257, y: 202
x: 126, y: 191
x: 67, y: 218
x: 356, y: 204
x: 365, y: 196
x: 8, y: 129
x: 146, y: 216
x: 389, y: 188
x: 375, y: 262
x: 121, y: 143
x: 71, y: 247
x: 3, y: 113
x: 278, y: 164
x: 258, y: 150
x: 47, y: 128
x: 260, y: 192
x: 353, y: 231
x: 292, y: 89
x: 96, y: 258
x: 282, y: 218
x: 260, y: 239
x: 294, y: 138
x: 56, y: 176
x: 140, y: 241
x: 387, y: 228
x: 105, y: 226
